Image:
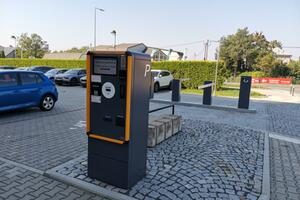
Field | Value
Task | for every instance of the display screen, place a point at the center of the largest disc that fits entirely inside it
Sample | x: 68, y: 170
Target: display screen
x: 106, y: 66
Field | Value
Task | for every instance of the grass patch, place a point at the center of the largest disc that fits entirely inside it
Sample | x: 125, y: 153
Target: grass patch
x: 224, y: 92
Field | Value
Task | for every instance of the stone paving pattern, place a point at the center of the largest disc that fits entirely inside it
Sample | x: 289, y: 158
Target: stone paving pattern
x: 205, y: 160
x: 27, y: 136
x: 17, y: 183
x: 285, y: 170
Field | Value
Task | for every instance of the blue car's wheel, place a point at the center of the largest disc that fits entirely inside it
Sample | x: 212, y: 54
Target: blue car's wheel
x: 47, y: 103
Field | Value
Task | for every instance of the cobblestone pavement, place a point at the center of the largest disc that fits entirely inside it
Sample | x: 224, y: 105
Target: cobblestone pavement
x: 18, y: 183
x: 285, y: 170
x: 44, y: 140
x: 204, y: 161
x: 284, y: 118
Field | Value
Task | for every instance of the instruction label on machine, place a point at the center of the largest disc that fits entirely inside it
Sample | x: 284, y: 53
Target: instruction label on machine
x: 95, y: 99
x: 96, y: 79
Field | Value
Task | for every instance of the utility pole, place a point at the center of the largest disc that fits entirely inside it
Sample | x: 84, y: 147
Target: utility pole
x: 206, y: 49
x: 217, y: 66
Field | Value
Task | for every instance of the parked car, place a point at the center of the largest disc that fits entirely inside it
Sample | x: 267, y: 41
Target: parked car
x: 23, y: 68
x: 51, y: 73
x: 23, y: 89
x: 162, y: 79
x: 70, y: 77
x: 83, y: 81
x: 6, y: 67
x: 42, y: 69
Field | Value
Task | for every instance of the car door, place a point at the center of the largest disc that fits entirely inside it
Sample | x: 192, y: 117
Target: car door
x: 164, y: 79
x: 168, y: 77
x: 9, y: 86
x: 30, y: 88
x: 81, y: 74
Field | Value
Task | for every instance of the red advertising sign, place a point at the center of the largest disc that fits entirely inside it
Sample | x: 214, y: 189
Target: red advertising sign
x: 282, y: 81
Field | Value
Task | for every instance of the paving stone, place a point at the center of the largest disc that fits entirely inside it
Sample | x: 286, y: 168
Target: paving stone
x: 186, y: 167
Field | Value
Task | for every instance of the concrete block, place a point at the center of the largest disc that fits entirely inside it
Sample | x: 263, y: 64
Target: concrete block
x: 160, y: 131
x: 168, y: 126
x: 152, y: 135
x: 176, y: 122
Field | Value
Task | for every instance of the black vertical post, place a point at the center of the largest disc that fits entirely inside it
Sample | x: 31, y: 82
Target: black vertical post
x: 151, y: 87
x: 176, y: 87
x: 245, y: 88
x: 207, y: 93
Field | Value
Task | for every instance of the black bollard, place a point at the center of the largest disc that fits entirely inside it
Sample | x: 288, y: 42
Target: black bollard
x: 176, y: 87
x: 207, y: 93
x: 245, y: 89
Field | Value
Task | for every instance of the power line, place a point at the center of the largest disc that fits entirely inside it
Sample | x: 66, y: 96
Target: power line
x: 290, y: 47
x: 184, y: 44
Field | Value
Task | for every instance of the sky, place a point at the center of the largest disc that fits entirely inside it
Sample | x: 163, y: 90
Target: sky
x: 161, y: 23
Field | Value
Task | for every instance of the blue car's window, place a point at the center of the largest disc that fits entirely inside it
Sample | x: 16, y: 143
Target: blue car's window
x: 28, y: 78
x: 8, y: 79
x: 38, y: 78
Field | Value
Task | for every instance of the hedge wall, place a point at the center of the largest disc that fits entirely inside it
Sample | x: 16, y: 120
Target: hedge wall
x: 197, y: 71
x: 42, y: 62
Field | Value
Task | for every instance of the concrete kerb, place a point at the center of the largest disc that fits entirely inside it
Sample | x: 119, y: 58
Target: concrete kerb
x: 21, y: 166
x: 84, y: 185
x: 265, y: 195
x: 190, y: 104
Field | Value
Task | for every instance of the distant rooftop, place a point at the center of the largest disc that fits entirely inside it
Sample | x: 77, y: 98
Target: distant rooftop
x: 63, y: 56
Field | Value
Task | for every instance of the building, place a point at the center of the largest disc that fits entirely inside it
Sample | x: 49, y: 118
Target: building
x: 157, y: 54
x: 280, y: 55
x: 284, y: 58
x: 65, y: 56
x: 7, y: 52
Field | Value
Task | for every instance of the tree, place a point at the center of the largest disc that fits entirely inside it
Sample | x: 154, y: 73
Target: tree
x: 243, y: 50
x: 32, y: 46
x: 295, y: 68
x: 267, y: 62
x: 2, y: 55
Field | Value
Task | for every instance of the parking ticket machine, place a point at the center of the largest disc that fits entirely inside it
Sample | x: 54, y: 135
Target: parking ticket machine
x: 117, y: 116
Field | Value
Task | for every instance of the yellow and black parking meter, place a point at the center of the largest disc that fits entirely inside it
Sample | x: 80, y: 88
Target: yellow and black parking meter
x: 117, y: 116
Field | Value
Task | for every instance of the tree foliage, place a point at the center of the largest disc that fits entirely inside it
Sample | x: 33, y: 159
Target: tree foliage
x: 243, y: 50
x: 294, y: 67
x: 32, y: 46
x: 2, y: 55
x: 83, y: 49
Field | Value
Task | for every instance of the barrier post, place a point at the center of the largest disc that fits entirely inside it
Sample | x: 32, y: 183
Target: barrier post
x: 245, y: 88
x: 176, y: 88
x: 207, y: 93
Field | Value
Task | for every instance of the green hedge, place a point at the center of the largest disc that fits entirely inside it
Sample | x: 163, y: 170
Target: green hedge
x: 254, y: 74
x: 42, y: 62
x: 197, y: 71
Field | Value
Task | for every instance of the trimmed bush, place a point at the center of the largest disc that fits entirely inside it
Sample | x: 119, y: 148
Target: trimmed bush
x: 254, y: 74
x: 197, y: 71
x: 42, y: 62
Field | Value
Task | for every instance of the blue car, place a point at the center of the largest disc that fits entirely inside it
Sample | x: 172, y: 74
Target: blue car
x: 23, y: 89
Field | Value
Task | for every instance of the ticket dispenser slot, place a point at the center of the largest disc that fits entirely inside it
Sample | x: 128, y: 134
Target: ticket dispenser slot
x: 117, y: 116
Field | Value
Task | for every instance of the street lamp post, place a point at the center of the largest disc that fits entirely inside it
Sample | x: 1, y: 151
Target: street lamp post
x: 15, y: 38
x: 114, y: 33
x: 95, y: 25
